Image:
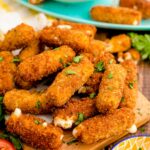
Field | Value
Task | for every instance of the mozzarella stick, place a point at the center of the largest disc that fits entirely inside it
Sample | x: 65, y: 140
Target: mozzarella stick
x: 34, y: 131
x: 119, y: 43
x: 45, y: 63
x: 7, y: 71
x: 111, y: 88
x: 89, y: 30
x: 119, y: 15
x: 130, y: 91
x: 19, y: 37
x: 65, y: 117
x: 102, y: 127
x: 53, y: 36
x: 69, y: 81
x: 27, y: 101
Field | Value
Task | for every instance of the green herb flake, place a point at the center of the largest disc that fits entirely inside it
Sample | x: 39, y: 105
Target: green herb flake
x: 15, y: 60
x: 110, y: 76
x: 77, y: 59
x: 55, y: 49
x: 1, y: 59
x: 92, y: 95
x: 72, y: 141
x: 111, y: 61
x: 122, y: 99
x: 80, y: 119
x: 142, y: 129
x: 38, y: 104
x: 61, y: 61
x: 70, y: 72
x: 37, y: 122
x: 130, y: 85
x: 139, y: 148
x: 99, y: 67
x: 1, y: 99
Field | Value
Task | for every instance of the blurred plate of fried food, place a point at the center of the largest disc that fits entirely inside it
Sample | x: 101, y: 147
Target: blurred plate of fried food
x: 137, y: 13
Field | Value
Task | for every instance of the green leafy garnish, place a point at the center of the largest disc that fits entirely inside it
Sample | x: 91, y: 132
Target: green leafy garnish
x: 141, y: 43
x: 99, y: 67
x: 1, y: 59
x: 110, y: 75
x: 72, y: 141
x: 38, y: 104
x: 70, y: 72
x: 122, y: 99
x: 77, y: 59
x: 80, y: 119
x: 16, y: 60
x: 1, y: 108
x: 92, y: 95
x: 37, y: 122
x: 139, y: 148
x: 142, y: 129
x: 13, y: 139
x: 130, y: 85
x: 56, y: 49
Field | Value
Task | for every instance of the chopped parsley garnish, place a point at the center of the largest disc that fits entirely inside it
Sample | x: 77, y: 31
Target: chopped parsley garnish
x: 72, y: 141
x: 13, y: 139
x: 1, y: 108
x: 61, y: 61
x: 38, y: 104
x: 37, y: 122
x: 122, y: 99
x: 56, y: 49
x: 140, y: 148
x: 77, y: 59
x: 16, y: 60
x: 99, y: 67
x: 110, y: 76
x: 92, y: 95
x: 70, y: 72
x: 130, y: 85
x: 111, y: 61
x: 1, y: 59
x: 142, y: 129
x: 80, y: 119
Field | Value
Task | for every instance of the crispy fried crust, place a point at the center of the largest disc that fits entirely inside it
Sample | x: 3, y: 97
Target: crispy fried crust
x: 65, y: 84
x: 35, y: 135
x: 43, y: 64
x: 28, y: 102
x: 52, y: 36
x: 130, y: 93
x: 89, y: 30
x: 111, y: 88
x: 32, y: 49
x: 102, y: 127
x: 119, y: 43
x: 69, y: 112
x: 19, y: 37
x: 142, y: 5
x: 7, y: 71
x: 119, y: 15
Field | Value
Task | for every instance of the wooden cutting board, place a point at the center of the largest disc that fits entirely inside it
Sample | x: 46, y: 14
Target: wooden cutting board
x: 142, y: 112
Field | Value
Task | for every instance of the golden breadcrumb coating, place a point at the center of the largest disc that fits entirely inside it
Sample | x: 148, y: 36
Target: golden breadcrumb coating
x: 119, y: 43
x: 102, y: 127
x: 130, y: 91
x: 32, y: 49
x: 141, y: 5
x: 45, y: 63
x: 111, y: 88
x: 27, y: 101
x: 7, y: 71
x: 119, y: 15
x: 89, y: 30
x: 69, y: 81
x: 66, y: 116
x: 31, y: 130
x: 19, y: 37
x: 52, y: 36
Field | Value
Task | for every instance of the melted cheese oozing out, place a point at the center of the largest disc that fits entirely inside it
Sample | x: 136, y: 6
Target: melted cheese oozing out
x: 135, y: 22
x: 17, y: 112
x: 132, y: 129
x: 64, y: 27
x: 61, y: 137
x: 66, y: 124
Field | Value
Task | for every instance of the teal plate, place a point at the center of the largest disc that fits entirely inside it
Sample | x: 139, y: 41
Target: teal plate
x: 79, y: 12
